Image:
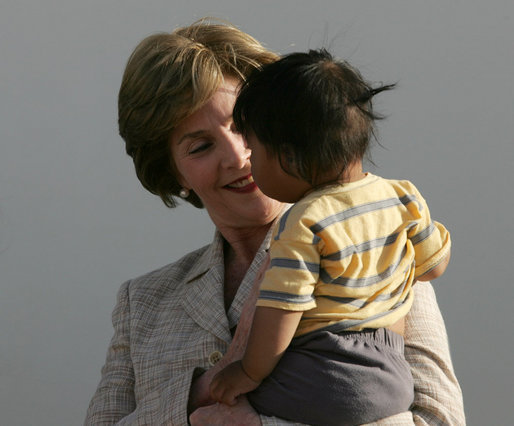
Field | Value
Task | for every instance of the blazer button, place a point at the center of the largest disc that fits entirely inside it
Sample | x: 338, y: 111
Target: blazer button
x: 214, y: 357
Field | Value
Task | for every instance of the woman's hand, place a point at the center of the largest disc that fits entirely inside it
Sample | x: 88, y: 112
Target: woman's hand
x: 241, y: 413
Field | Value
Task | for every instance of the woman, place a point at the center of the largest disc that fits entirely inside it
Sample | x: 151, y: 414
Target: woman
x: 174, y: 328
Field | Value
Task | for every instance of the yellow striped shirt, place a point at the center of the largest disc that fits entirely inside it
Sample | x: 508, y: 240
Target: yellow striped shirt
x: 347, y: 255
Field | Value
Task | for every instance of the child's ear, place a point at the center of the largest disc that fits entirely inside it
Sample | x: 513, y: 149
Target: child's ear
x: 287, y: 161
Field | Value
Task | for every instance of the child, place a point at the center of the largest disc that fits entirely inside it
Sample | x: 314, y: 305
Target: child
x: 343, y: 258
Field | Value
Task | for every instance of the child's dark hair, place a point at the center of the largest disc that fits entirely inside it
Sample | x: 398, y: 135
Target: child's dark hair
x: 315, y: 110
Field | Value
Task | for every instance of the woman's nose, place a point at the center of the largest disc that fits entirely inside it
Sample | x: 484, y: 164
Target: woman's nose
x: 236, y: 153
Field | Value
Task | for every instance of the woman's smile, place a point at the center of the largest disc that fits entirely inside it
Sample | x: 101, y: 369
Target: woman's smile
x: 243, y: 185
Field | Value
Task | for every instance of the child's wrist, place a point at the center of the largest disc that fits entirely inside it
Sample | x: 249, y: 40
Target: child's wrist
x: 248, y: 375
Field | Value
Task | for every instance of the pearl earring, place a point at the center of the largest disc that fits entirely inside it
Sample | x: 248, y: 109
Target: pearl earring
x: 184, y: 193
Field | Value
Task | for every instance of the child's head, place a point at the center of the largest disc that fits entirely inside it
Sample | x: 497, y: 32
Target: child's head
x: 312, y: 112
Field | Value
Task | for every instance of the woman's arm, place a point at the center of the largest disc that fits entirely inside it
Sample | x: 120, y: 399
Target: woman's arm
x: 437, y: 394
x: 114, y: 401
x: 114, y: 398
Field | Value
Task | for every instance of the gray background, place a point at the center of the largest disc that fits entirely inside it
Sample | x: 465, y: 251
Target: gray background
x: 75, y: 223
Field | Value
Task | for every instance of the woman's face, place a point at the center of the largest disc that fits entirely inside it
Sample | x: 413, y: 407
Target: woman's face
x: 213, y: 160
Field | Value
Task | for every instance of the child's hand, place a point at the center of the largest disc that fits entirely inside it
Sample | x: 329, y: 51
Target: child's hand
x: 231, y: 382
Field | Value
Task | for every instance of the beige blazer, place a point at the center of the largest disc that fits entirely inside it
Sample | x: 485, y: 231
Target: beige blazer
x: 171, y: 324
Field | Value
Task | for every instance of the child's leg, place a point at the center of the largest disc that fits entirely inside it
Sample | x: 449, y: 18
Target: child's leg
x: 338, y: 379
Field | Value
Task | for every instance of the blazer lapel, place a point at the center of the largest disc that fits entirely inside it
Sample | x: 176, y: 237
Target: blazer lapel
x: 202, y: 296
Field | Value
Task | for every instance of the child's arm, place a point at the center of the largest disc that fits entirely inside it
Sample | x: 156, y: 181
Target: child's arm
x: 437, y: 271
x: 271, y: 333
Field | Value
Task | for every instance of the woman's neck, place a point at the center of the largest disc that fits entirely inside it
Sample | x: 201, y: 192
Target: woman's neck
x: 240, y: 248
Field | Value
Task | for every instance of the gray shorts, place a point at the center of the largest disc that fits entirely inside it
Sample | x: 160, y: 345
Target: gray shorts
x: 348, y: 378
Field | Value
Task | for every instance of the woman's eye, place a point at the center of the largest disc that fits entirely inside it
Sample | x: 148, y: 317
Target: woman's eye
x: 198, y: 147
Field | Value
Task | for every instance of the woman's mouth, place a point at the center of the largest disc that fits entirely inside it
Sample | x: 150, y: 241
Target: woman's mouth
x: 243, y: 185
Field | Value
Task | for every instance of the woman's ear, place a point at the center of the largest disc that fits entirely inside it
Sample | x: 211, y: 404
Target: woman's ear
x: 177, y: 176
x: 180, y: 179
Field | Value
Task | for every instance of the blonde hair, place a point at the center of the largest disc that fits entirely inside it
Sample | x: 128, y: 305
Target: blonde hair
x: 167, y: 78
